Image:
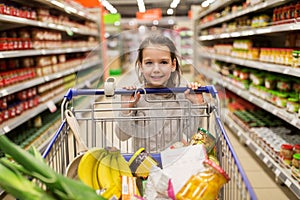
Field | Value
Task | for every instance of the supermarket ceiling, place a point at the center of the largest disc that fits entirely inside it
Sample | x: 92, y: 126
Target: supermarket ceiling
x: 128, y: 8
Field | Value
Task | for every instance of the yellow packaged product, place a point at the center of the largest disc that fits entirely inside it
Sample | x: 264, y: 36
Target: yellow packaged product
x: 205, y: 184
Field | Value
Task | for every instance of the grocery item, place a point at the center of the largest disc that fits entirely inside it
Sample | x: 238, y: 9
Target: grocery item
x: 206, y: 138
x: 88, y: 166
x: 33, y: 165
x: 141, y: 163
x: 286, y: 154
x: 292, y: 104
x: 296, y: 165
x: 205, y: 184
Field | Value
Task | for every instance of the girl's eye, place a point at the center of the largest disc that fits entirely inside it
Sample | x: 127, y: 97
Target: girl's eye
x: 164, y: 62
x: 148, y: 63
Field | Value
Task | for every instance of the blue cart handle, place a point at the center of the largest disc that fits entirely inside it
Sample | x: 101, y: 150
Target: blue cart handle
x: 77, y: 92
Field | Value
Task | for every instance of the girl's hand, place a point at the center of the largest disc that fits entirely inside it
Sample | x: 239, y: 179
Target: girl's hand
x: 194, y: 98
x: 131, y: 99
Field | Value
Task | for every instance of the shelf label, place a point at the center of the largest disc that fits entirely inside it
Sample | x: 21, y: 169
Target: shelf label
x: 265, y: 160
x: 294, y: 121
x: 1, y: 55
x: 6, y: 129
x: 239, y: 133
x: 288, y: 182
x: 248, y: 142
x: 265, y: 106
x: 51, y: 105
x: 277, y: 172
x: 3, y: 92
x: 257, y: 152
x: 286, y: 70
x: 250, y: 98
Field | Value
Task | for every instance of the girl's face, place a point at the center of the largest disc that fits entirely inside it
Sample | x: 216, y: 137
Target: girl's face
x: 157, y: 65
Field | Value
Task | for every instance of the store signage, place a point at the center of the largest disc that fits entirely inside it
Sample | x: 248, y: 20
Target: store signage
x: 151, y: 14
x: 111, y: 18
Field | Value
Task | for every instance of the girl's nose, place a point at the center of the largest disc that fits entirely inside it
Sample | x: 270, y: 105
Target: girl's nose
x: 156, y: 66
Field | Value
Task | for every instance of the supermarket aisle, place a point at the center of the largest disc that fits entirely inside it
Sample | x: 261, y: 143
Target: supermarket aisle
x: 261, y: 178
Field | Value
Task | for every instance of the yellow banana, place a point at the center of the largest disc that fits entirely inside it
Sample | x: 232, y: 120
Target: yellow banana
x: 111, y: 192
x: 115, y: 172
x: 104, y: 173
x: 123, y: 166
x: 95, y: 180
x: 87, y: 163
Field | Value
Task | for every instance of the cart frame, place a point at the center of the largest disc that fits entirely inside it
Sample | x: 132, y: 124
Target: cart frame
x: 58, y: 155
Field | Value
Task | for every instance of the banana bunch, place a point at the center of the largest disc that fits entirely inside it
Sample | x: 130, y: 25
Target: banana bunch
x: 102, y: 169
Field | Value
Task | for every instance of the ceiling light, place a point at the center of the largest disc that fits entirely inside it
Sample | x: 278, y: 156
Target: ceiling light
x: 141, y: 5
x: 170, y: 11
x: 205, y: 4
x: 108, y: 6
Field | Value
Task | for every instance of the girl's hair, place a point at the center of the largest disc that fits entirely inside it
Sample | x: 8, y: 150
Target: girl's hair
x: 160, y: 40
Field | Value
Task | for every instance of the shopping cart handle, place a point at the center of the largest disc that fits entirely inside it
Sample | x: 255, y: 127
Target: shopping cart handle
x: 77, y: 92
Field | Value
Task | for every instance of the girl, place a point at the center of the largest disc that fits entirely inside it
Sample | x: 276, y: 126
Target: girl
x: 158, y: 67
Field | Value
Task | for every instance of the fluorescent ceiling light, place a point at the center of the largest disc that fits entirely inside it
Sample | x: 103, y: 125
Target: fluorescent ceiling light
x: 108, y: 6
x: 170, y: 11
x: 141, y: 5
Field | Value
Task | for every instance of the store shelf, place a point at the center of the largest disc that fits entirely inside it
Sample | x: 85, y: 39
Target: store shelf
x: 293, y: 26
x: 76, y: 11
x: 283, y: 174
x: 40, y: 80
x: 36, y: 52
x: 251, y: 9
x: 26, y: 22
x: 283, y: 69
x: 216, y: 5
x: 279, y: 112
x: 25, y: 116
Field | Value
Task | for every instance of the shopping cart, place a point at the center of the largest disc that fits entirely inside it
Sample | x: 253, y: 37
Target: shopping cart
x: 98, y: 123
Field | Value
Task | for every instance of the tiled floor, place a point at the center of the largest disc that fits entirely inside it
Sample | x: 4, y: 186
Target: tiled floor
x: 261, y: 178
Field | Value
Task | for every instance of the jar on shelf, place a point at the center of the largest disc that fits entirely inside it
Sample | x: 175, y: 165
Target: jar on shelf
x: 286, y: 154
x: 257, y: 78
x: 283, y: 84
x: 200, y: 187
x: 292, y: 104
x: 296, y: 165
x: 297, y: 148
x: 270, y: 82
x: 296, y: 58
x: 244, y: 74
x: 281, y: 99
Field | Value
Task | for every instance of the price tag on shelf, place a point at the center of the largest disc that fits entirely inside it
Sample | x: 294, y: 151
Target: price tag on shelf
x: 51, y: 105
x: 3, y: 92
x: 250, y: 98
x: 248, y: 142
x: 1, y: 55
x: 265, y: 160
x: 286, y: 70
x: 257, y: 152
x: 294, y: 121
x: 288, y: 183
x: 277, y: 172
x: 239, y: 133
x: 6, y: 129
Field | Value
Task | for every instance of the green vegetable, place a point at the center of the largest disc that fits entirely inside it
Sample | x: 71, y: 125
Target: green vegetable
x: 62, y: 187
x: 13, y: 182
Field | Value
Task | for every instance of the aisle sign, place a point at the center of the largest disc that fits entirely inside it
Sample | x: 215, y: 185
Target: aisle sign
x: 151, y: 14
x: 111, y: 18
